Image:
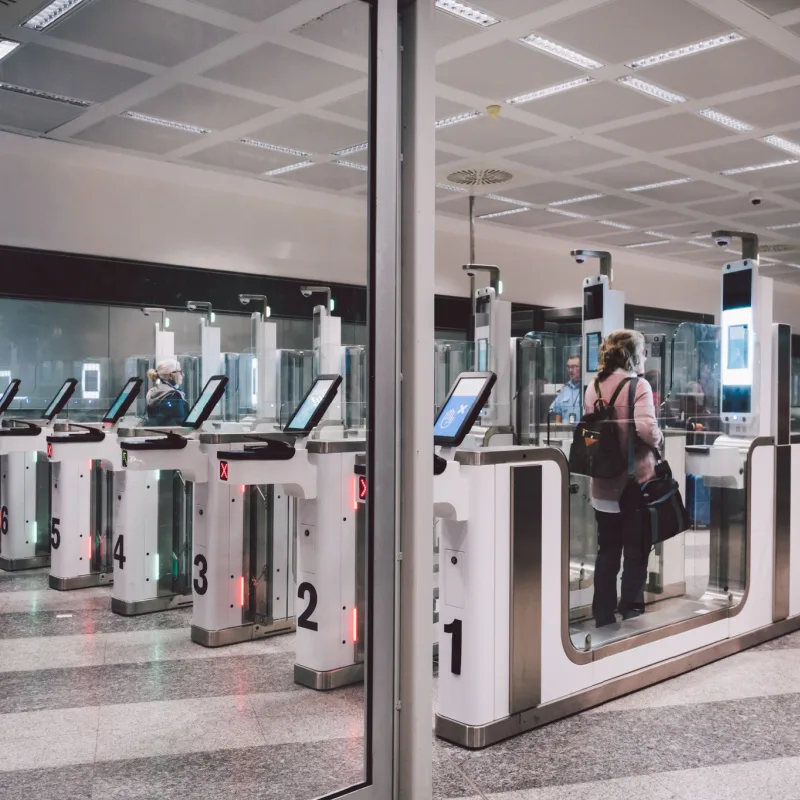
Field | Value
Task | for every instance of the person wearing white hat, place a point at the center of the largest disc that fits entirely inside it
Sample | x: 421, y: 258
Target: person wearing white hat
x: 166, y: 402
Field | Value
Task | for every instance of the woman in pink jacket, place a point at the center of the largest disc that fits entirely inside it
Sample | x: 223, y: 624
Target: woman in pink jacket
x: 618, y: 533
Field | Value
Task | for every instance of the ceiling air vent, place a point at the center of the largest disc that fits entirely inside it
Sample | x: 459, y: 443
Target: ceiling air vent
x: 479, y: 177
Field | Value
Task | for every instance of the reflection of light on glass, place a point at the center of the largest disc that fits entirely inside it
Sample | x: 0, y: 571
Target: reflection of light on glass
x: 254, y: 379
x: 89, y: 548
x: 90, y: 381
x: 5, y: 374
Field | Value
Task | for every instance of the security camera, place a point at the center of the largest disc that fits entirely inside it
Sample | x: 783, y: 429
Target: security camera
x: 755, y: 198
x: 579, y: 259
x: 723, y: 241
x: 305, y: 292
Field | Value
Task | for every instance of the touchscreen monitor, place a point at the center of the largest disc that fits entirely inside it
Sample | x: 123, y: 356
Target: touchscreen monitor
x: 209, y: 397
x: 462, y: 407
x: 314, y: 405
x: 123, y: 402
x: 61, y: 399
x: 9, y: 394
x: 592, y: 352
x: 738, y: 347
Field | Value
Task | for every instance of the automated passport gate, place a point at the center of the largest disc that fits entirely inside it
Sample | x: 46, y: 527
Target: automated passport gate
x: 320, y: 473
x: 85, y: 459
x: 152, y: 530
x: 25, y: 534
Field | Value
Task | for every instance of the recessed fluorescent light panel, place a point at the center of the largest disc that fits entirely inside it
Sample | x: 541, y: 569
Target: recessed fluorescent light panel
x: 651, y: 89
x: 783, y: 144
x: 723, y: 119
x: 468, y: 13
x: 510, y: 200
x: 756, y: 167
x: 559, y: 51
x: 450, y: 188
x: 503, y: 213
x: 565, y: 213
x: 56, y: 98
x: 575, y: 200
x: 467, y: 115
x: 550, y: 90
x: 290, y: 168
x: 646, y: 244
x: 165, y: 123
x: 348, y: 151
x: 351, y: 164
x: 276, y: 148
x: 611, y: 224
x: 647, y: 186
x: 783, y: 227
x: 51, y: 13
x: 660, y: 235
x: 7, y: 47
x: 700, y: 244
x: 688, y: 50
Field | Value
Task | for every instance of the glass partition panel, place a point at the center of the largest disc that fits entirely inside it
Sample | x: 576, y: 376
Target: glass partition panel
x: 451, y: 357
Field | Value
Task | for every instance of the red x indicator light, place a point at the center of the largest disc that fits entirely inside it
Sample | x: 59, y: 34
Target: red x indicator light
x: 223, y: 470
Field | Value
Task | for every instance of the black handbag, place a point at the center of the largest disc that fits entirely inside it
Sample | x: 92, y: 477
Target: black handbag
x: 657, y: 502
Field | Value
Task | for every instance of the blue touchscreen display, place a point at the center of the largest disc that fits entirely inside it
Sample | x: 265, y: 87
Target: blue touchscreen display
x: 458, y: 408
x: 303, y: 415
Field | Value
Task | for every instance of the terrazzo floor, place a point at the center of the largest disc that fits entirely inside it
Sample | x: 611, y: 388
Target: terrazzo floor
x: 93, y: 706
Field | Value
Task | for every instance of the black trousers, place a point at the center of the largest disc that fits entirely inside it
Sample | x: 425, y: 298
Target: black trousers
x: 618, y: 535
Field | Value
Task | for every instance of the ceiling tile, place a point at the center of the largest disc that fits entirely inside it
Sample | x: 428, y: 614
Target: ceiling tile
x: 327, y: 176
x: 355, y: 106
x: 485, y: 135
x: 773, y: 7
x: 255, y: 10
x: 483, y: 205
x: 627, y: 29
x: 278, y: 71
x: 606, y: 206
x: 593, y: 104
x: 531, y: 218
x: 445, y: 158
x: 687, y: 230
x: 631, y: 237
x: 445, y: 194
x: 792, y: 194
x: 140, y: 31
x: 678, y: 130
x: 242, y: 158
x: 729, y: 156
x: 688, y: 192
x: 134, y: 135
x: 449, y: 28
x: 625, y: 176
x: 548, y: 192
x: 775, y: 216
x: 62, y: 73
x: 564, y: 156
x: 195, y: 106
x: 580, y: 230
x: 310, y: 134
x: 34, y: 114
x: 656, y: 218
x: 767, y: 109
x: 794, y: 28
x: 511, y: 9
x: 726, y: 69
x: 504, y: 70
x: 675, y: 248
x: 345, y: 28
x: 730, y: 207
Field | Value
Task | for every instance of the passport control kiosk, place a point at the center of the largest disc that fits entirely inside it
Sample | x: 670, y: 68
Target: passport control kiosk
x: 603, y: 313
x: 320, y: 474
x: 152, y: 573
x: 85, y: 459
x: 25, y: 539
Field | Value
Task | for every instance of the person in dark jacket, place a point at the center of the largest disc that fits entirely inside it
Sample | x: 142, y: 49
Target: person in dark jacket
x: 166, y: 403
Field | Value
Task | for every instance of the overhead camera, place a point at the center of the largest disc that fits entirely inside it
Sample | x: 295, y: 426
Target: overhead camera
x: 305, y: 292
x: 722, y: 240
x: 579, y: 259
x: 756, y: 198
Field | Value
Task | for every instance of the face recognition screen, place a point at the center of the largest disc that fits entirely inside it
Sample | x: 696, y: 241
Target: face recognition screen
x: 738, y: 339
x: 62, y: 393
x: 128, y: 392
x: 200, y: 406
x: 737, y: 289
x: 483, y: 355
x: 483, y: 306
x: 593, y: 302
x: 301, y: 420
x: 459, y: 408
x: 592, y: 352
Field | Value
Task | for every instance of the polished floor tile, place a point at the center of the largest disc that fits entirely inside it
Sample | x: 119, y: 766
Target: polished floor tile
x: 618, y: 789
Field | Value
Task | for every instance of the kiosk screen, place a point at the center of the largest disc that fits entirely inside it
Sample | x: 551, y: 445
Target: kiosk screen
x: 737, y: 289
x: 123, y: 402
x: 314, y: 405
x: 61, y: 399
x: 737, y: 347
x: 9, y: 394
x: 462, y: 407
x: 209, y: 397
x: 593, y: 302
x: 592, y: 352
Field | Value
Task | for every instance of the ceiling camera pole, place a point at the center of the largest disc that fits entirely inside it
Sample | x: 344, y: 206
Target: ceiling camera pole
x: 605, y: 261
x: 201, y: 306
x: 471, y: 261
x: 245, y: 299
x: 749, y: 242
x: 307, y: 291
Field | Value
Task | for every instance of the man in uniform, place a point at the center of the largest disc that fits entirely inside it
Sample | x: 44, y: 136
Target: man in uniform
x: 568, y: 405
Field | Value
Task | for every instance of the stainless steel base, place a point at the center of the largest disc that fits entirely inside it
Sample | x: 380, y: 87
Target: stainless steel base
x: 241, y: 633
x: 14, y: 564
x: 476, y: 737
x: 128, y: 608
x: 82, y: 581
x: 333, y: 679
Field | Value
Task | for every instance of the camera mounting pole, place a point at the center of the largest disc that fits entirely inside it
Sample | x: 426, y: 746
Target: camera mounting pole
x: 605, y: 261
x: 749, y: 242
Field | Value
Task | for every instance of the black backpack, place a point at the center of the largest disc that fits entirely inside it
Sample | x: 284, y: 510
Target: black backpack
x: 596, y: 448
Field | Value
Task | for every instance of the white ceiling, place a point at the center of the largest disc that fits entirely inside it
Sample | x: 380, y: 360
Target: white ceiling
x: 293, y: 74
